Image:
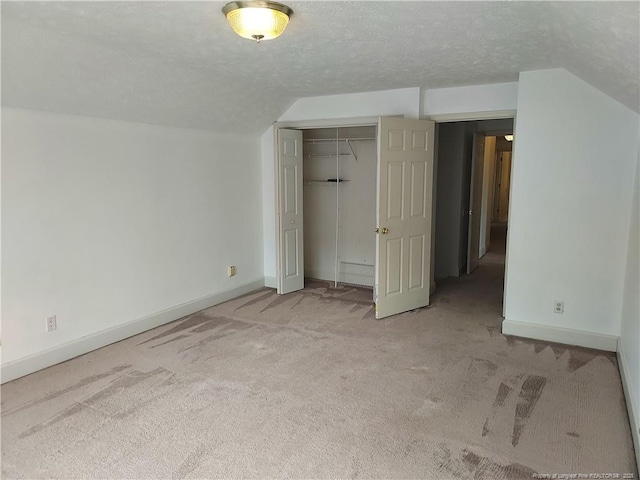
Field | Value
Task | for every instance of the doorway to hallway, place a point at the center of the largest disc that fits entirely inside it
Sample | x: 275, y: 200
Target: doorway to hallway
x: 472, y: 182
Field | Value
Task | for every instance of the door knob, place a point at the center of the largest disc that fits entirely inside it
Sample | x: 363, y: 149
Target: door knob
x: 382, y: 230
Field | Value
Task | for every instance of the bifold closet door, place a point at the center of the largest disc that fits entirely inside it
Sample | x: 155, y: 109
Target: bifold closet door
x: 290, y: 212
x: 404, y: 200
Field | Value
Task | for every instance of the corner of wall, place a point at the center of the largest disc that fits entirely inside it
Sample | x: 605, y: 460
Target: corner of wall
x: 633, y: 403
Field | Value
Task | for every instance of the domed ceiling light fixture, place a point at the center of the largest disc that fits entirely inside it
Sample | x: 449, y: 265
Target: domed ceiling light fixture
x: 257, y: 20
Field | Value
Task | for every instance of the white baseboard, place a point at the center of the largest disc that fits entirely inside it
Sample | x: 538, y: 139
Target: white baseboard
x: 568, y: 336
x: 270, y: 282
x: 633, y: 404
x: 32, y: 363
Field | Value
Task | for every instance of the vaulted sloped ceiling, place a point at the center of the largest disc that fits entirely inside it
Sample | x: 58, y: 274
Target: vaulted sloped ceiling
x: 179, y: 63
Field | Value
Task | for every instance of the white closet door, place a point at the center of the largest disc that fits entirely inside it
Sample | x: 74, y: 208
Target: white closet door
x: 290, y: 220
x: 404, y: 198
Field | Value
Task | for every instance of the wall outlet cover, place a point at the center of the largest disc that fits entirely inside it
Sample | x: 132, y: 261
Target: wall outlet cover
x: 51, y: 323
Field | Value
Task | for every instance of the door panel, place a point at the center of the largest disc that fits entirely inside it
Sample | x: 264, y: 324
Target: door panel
x: 418, y: 190
x: 403, y: 243
x: 395, y: 187
x: 416, y: 262
x: 475, y: 203
x: 290, y: 220
x: 292, y: 265
x: 394, y: 266
x: 290, y: 189
x: 396, y: 140
x: 418, y: 140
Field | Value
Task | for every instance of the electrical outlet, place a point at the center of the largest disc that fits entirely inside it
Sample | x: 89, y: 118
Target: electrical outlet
x: 52, y: 323
x: 558, y: 306
x: 231, y: 271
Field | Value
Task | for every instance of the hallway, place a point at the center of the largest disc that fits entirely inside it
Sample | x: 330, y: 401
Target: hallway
x: 481, y: 292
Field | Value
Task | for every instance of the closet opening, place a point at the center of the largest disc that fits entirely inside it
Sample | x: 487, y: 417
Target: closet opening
x: 339, y: 198
x: 354, y: 207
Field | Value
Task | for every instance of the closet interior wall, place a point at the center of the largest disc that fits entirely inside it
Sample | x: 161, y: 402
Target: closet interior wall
x: 339, y: 204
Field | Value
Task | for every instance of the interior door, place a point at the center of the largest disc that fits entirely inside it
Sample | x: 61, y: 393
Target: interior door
x: 403, y: 214
x: 475, y: 202
x: 290, y: 222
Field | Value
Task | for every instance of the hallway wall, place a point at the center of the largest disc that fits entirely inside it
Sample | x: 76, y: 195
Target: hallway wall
x: 452, y: 152
x: 117, y: 227
x: 570, y: 209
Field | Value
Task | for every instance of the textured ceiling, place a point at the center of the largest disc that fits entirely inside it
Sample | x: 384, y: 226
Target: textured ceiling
x: 179, y: 63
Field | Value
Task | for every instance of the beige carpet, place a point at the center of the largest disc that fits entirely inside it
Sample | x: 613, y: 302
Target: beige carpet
x: 310, y: 385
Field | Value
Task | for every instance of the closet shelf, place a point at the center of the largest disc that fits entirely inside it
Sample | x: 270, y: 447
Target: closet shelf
x: 329, y: 181
x: 338, y: 154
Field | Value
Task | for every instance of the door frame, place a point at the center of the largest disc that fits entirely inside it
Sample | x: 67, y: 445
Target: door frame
x: 474, y: 213
x: 488, y: 115
x: 304, y: 125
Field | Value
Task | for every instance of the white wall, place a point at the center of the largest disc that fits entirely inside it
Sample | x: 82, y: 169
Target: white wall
x: 105, y: 222
x: 404, y: 101
x: 629, y: 343
x: 476, y: 99
x: 572, y: 183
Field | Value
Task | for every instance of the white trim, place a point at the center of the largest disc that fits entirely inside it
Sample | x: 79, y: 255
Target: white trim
x: 461, y: 117
x: 509, y: 215
x: 329, y: 123
x: 276, y: 187
x: 568, y: 336
x: 270, y: 282
x: 633, y: 404
x: 32, y: 363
